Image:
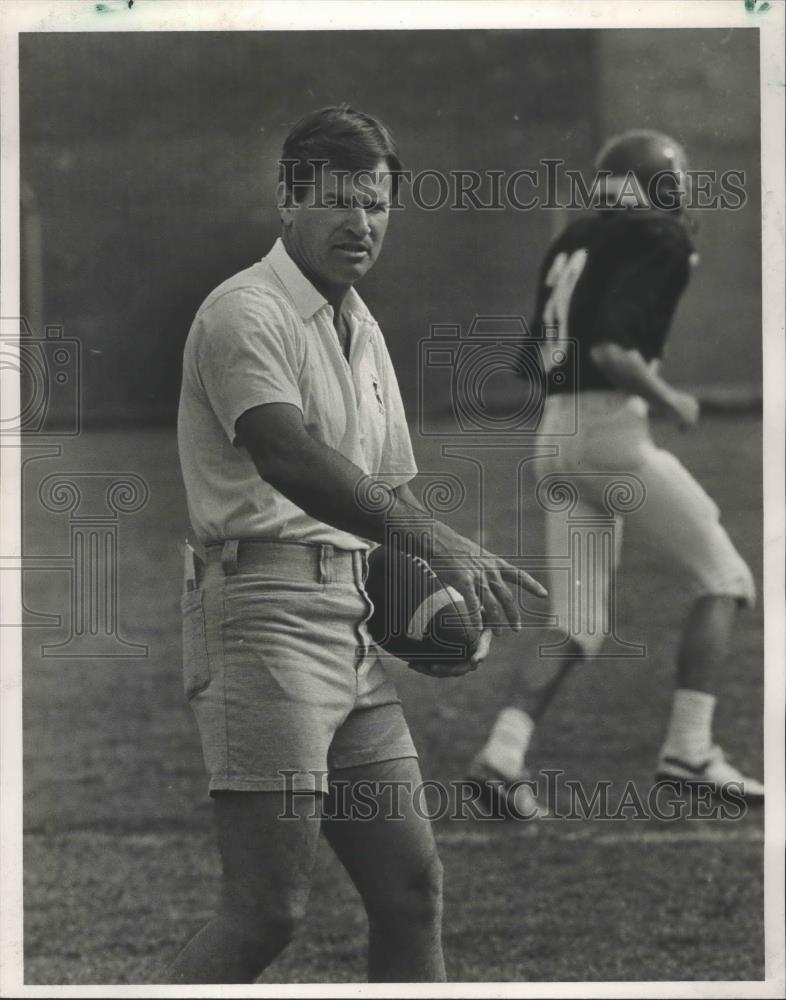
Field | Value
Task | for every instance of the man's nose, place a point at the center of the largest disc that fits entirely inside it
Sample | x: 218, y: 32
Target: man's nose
x: 358, y: 222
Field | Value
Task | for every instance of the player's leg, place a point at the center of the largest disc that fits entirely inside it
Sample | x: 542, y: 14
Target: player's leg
x: 683, y: 521
x: 267, y: 863
x: 545, y: 658
x: 391, y: 857
x: 534, y: 682
x: 704, y: 648
x: 706, y: 641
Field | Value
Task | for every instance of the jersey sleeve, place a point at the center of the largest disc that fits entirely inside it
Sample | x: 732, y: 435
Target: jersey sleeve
x: 643, y: 291
x: 248, y: 355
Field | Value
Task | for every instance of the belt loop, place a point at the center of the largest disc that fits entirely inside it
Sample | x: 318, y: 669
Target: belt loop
x: 325, y: 552
x: 229, y: 557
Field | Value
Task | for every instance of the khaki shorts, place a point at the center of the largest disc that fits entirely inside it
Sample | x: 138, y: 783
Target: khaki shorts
x: 280, y: 671
x: 608, y: 481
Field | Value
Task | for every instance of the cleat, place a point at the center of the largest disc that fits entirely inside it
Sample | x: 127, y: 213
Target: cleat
x: 715, y: 771
x: 512, y: 799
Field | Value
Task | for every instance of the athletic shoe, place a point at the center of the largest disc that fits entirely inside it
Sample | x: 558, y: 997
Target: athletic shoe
x: 715, y: 772
x: 514, y: 799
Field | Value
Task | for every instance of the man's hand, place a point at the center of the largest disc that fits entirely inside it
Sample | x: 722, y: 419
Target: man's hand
x: 484, y: 580
x: 440, y: 668
x: 626, y: 368
x: 683, y: 409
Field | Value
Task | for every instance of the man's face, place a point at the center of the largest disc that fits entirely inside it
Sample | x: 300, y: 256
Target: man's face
x: 336, y: 232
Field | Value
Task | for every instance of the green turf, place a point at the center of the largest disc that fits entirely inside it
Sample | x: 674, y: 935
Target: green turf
x: 119, y: 861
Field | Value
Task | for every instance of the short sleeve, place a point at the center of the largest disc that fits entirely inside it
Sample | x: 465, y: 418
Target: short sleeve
x: 248, y: 354
x: 398, y: 463
x: 644, y: 290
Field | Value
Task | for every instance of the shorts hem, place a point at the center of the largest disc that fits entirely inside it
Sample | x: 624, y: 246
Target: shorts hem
x: 374, y: 757
x: 743, y: 598
x: 318, y: 783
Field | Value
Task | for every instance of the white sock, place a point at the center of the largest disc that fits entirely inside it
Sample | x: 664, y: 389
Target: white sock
x: 689, y: 735
x: 508, y: 742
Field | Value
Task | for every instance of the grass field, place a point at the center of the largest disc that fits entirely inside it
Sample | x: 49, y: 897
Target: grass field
x: 120, y: 865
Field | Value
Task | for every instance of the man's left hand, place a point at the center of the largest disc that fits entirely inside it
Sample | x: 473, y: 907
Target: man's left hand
x: 453, y: 668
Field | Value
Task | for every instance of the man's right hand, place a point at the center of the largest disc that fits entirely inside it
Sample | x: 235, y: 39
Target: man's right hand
x: 485, y: 581
x: 683, y: 409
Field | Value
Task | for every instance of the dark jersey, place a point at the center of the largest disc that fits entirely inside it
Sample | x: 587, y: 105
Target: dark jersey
x: 613, y: 277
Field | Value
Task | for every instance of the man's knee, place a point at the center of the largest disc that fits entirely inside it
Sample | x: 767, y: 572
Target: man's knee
x: 415, y: 899
x: 262, y: 917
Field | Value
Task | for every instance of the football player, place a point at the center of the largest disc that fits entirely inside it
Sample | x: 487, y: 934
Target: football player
x: 611, y: 282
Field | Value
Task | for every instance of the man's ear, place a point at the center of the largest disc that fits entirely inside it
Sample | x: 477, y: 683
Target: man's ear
x: 285, y: 204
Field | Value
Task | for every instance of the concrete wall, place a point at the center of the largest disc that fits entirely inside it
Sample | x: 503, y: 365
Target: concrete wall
x: 703, y: 88
x: 152, y: 158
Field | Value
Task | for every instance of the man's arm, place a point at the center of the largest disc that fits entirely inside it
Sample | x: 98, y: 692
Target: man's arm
x: 315, y: 477
x: 626, y: 368
x: 330, y: 488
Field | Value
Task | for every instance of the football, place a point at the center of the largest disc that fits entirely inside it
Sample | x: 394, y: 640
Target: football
x: 415, y: 617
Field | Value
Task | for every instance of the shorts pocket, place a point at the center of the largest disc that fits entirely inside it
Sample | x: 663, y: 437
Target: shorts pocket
x: 196, y: 663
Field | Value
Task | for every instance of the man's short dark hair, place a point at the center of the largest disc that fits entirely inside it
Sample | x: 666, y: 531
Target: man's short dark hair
x: 344, y: 139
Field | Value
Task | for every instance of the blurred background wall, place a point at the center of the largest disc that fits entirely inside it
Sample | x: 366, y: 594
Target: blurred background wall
x: 149, y: 164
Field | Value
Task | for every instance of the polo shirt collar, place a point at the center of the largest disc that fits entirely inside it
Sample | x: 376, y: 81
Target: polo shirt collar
x: 306, y: 299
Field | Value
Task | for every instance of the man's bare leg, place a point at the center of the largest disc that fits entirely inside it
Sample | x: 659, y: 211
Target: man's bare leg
x: 393, y: 862
x: 267, y: 864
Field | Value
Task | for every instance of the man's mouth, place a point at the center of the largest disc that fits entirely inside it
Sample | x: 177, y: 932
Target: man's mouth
x: 354, y: 250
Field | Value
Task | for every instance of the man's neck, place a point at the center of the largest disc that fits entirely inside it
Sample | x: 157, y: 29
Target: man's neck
x: 335, y: 294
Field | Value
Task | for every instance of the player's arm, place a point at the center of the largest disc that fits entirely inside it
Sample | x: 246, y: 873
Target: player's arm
x: 637, y: 311
x: 626, y: 368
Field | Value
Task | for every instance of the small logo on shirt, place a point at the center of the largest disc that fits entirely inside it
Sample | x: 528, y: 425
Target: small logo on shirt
x: 375, y: 383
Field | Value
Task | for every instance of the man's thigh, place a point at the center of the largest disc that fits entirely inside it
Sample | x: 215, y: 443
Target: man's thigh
x: 377, y: 822
x: 267, y: 842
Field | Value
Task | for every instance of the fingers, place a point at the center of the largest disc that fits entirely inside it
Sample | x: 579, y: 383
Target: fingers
x: 529, y: 583
x: 481, y: 650
x: 520, y: 579
x: 470, y: 588
x: 454, y: 668
x: 443, y: 669
x: 499, y: 604
x: 486, y: 588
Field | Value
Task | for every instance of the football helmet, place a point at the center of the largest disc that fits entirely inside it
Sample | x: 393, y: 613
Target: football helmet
x: 645, y: 168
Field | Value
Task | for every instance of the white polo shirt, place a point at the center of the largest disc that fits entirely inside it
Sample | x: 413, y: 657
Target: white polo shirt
x: 266, y: 335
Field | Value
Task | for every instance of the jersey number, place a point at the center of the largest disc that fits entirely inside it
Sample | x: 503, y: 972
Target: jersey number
x: 563, y: 274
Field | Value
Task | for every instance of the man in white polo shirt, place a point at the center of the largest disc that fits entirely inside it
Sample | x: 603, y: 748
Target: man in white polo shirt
x: 289, y: 403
